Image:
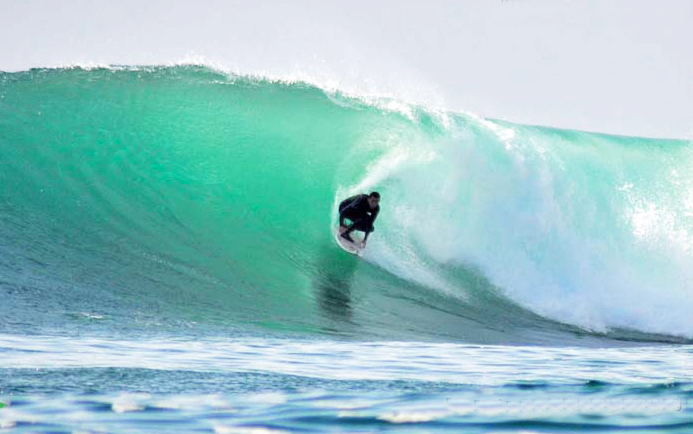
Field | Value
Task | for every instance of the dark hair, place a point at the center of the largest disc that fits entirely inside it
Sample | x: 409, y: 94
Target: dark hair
x: 374, y: 194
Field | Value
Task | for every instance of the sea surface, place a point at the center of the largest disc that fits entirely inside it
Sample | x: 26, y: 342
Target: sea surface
x: 167, y: 263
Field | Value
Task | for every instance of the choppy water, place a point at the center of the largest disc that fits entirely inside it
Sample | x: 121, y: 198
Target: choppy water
x: 167, y: 263
x: 323, y: 385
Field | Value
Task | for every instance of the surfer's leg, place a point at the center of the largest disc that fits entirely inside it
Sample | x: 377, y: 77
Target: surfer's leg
x: 363, y: 225
x: 358, y: 225
x: 354, y: 225
x: 347, y: 214
x: 344, y: 214
x: 347, y: 237
x: 346, y: 233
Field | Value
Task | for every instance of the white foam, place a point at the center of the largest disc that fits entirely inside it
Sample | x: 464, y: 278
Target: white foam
x: 581, y: 231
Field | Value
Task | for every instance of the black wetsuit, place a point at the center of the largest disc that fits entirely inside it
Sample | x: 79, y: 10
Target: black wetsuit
x: 357, y: 209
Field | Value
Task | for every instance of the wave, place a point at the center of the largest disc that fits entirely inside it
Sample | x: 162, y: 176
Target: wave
x: 185, y: 197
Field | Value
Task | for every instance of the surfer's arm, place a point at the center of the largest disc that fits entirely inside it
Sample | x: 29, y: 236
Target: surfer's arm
x: 374, y: 215
x: 371, y: 219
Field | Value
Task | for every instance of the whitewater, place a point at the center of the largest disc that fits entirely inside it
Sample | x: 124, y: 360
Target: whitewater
x: 166, y: 253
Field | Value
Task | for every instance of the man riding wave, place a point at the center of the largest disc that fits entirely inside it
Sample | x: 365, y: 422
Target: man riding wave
x: 361, y: 210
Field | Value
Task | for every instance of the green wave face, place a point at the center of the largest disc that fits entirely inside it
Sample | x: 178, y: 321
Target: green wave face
x: 180, y: 197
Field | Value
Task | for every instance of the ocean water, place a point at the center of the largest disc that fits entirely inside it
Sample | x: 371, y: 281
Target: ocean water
x: 167, y: 263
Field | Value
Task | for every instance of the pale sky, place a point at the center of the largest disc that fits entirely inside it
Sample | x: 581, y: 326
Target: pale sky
x: 615, y: 66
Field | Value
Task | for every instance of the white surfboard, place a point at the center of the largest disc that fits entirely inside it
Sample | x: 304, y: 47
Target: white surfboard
x: 355, y: 248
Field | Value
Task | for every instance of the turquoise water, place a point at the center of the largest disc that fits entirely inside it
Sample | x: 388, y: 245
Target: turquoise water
x: 167, y: 263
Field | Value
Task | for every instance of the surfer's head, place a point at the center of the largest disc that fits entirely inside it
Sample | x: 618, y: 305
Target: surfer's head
x: 373, y: 199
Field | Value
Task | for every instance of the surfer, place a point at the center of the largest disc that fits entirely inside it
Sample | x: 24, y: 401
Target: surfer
x: 361, y: 210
